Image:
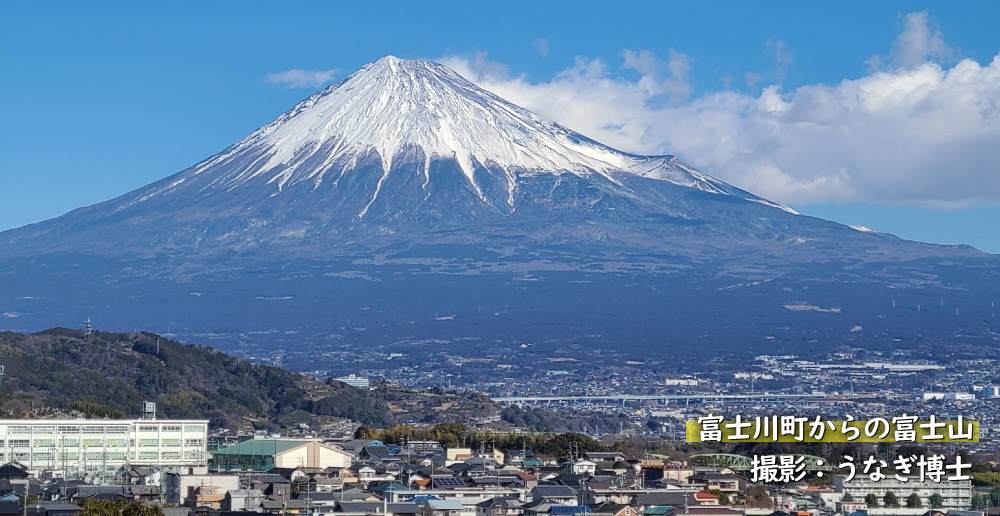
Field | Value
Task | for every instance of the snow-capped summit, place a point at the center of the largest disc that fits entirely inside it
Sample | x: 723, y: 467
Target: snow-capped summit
x: 407, y: 189
x: 411, y: 111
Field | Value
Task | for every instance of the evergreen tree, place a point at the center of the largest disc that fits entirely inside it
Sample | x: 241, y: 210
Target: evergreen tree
x: 109, y: 508
x: 913, y: 501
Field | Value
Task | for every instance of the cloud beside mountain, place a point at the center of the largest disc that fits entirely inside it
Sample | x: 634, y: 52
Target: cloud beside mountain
x: 917, y: 130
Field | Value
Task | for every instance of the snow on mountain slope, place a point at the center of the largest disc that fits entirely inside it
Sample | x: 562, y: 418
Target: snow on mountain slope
x: 396, y: 110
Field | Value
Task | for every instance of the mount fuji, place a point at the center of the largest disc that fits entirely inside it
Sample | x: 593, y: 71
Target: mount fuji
x: 405, y: 204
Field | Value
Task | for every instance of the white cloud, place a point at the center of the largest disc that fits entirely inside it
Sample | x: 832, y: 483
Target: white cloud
x: 918, y: 42
x: 675, y: 84
x: 642, y: 61
x: 298, y: 78
x: 479, y: 67
x: 919, y: 133
x: 782, y: 58
x: 542, y: 45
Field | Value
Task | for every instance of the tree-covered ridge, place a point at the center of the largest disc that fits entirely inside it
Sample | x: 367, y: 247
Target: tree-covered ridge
x: 111, y: 374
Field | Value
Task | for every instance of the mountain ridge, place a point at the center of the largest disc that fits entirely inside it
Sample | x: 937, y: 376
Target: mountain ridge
x: 219, y: 249
x: 420, y: 130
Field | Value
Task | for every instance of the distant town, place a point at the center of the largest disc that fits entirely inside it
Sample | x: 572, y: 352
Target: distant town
x: 655, y: 398
x: 60, y: 467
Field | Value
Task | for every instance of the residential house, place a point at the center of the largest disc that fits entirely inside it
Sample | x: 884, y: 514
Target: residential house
x: 182, y: 489
x: 645, y: 500
x: 284, y: 507
x: 355, y: 446
x: 431, y: 506
x: 613, y: 509
x: 545, y: 508
x: 422, y: 447
x: 704, y: 498
x: 605, y: 456
x: 454, y: 455
x: 207, y: 496
x: 243, y: 500
x: 145, y: 493
x: 727, y: 483
x: 499, y: 506
x: 13, y: 470
x: 557, y: 494
x: 370, y: 454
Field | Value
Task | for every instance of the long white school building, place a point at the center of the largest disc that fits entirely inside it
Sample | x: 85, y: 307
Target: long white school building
x: 103, y: 447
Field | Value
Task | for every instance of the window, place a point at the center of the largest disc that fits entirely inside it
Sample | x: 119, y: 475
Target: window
x: 19, y: 456
x: 171, y: 442
x: 19, y: 430
x: 117, y: 430
x: 42, y: 456
x: 148, y: 442
x: 149, y: 428
x: 93, y: 443
x: 194, y: 428
x: 45, y: 430
x: 148, y: 455
x: 93, y: 429
x: 94, y: 455
x: 20, y: 443
x: 189, y: 442
x: 116, y: 456
x: 171, y: 428
x: 171, y: 455
x: 45, y: 442
x: 69, y: 429
x: 69, y: 442
x: 117, y: 443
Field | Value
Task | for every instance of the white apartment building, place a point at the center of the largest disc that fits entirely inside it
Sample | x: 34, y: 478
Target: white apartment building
x: 954, y: 494
x: 360, y: 382
x: 103, y: 448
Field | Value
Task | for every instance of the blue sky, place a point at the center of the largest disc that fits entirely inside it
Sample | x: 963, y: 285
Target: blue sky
x: 879, y: 114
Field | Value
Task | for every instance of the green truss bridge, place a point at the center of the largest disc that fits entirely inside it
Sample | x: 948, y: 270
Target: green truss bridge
x: 741, y: 463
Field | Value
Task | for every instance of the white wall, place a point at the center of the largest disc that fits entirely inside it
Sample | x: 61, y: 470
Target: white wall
x: 313, y: 455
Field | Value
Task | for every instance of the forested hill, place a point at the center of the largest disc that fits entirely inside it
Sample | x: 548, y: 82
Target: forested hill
x: 111, y: 374
x: 58, y: 371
